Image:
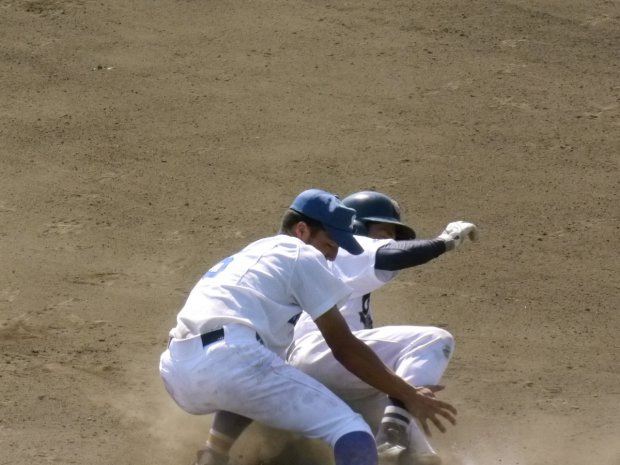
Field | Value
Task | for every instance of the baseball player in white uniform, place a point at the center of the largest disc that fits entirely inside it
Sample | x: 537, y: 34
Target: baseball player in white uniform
x: 418, y: 354
x: 226, y: 352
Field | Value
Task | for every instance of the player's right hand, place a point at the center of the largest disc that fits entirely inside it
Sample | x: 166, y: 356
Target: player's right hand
x: 456, y: 232
x: 427, y: 408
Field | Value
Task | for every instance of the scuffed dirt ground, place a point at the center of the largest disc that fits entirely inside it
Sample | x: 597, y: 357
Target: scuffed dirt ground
x: 142, y: 141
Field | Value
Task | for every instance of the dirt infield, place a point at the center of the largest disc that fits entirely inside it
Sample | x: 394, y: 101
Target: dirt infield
x: 142, y: 141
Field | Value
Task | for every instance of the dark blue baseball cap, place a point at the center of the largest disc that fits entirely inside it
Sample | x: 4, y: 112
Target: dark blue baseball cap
x: 334, y: 216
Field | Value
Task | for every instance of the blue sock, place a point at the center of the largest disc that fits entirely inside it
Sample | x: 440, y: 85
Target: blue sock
x: 356, y: 448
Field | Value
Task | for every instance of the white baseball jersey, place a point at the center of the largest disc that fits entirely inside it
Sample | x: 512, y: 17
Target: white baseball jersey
x: 260, y: 290
x: 265, y: 286
x: 357, y: 272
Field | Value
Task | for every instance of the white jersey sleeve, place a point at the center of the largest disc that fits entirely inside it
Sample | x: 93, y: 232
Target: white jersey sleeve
x: 314, y: 286
x: 264, y: 286
x: 357, y: 272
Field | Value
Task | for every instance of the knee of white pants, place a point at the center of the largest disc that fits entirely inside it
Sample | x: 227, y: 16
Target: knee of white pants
x: 426, y: 358
x: 421, y: 338
x: 446, y: 340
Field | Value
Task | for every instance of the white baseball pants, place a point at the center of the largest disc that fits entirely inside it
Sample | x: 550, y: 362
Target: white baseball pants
x: 418, y: 354
x: 240, y: 375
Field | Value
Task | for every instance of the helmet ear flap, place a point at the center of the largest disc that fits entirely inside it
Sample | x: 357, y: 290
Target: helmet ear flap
x: 360, y: 228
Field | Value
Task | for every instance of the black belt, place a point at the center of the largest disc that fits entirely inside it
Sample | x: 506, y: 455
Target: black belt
x: 212, y: 336
x: 218, y: 335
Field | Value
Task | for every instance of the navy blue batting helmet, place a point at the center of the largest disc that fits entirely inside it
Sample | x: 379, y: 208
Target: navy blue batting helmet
x: 375, y: 207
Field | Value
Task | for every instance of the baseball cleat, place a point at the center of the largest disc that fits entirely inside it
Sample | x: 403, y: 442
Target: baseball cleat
x: 389, y: 453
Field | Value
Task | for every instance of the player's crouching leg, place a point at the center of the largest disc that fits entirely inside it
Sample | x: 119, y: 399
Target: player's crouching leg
x: 425, y: 354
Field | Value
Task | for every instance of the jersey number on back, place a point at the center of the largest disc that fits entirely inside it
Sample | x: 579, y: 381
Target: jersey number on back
x: 365, y: 316
x: 217, y: 269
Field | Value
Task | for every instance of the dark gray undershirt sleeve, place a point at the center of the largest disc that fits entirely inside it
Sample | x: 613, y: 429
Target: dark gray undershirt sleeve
x: 399, y: 255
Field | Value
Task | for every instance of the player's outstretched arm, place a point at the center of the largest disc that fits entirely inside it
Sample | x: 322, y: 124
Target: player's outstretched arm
x: 457, y: 232
x: 399, y: 255
x: 360, y: 360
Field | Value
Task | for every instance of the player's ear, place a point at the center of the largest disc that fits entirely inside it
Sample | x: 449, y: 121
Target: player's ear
x: 301, y: 231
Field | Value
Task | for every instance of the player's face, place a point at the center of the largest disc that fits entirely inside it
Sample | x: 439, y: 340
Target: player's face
x: 382, y: 231
x: 320, y: 240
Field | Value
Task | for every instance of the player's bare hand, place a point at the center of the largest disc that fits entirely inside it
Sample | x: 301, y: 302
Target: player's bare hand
x: 428, y: 409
